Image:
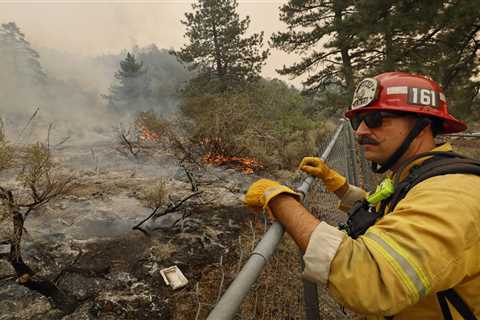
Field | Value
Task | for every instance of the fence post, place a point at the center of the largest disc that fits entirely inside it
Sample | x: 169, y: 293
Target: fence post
x: 352, y: 159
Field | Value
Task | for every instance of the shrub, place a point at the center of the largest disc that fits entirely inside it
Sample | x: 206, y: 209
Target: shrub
x: 161, y: 132
x: 155, y: 195
x: 268, y: 122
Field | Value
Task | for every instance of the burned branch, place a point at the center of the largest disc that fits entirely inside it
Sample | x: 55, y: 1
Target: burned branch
x: 127, y: 144
x: 189, y: 176
x: 172, y: 207
x: 40, y: 184
x: 35, y: 113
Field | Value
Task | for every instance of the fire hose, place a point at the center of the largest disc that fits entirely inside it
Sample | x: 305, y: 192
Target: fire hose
x: 230, y: 302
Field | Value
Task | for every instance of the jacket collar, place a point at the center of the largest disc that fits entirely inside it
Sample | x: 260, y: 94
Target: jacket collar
x: 446, y: 147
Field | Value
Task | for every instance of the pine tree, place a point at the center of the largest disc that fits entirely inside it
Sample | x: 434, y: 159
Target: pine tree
x: 341, y: 40
x: 132, y: 90
x: 322, y: 34
x: 19, y: 61
x: 435, y: 38
x: 218, y: 47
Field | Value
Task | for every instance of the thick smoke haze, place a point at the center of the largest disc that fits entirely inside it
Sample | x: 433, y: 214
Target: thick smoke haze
x: 93, y: 28
x: 79, y: 48
x: 73, y: 93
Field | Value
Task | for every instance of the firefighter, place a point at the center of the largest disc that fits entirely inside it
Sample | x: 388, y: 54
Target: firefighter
x: 418, y: 258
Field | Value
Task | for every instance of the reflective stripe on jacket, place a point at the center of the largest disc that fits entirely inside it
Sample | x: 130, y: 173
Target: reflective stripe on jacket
x: 429, y: 243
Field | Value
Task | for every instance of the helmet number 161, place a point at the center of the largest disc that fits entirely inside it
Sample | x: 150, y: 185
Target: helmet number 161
x: 425, y: 97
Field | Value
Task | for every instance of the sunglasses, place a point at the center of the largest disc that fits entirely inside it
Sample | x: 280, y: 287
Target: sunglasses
x: 373, y: 119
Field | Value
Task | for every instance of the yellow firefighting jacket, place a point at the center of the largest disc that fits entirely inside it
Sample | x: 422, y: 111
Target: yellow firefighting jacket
x: 429, y: 243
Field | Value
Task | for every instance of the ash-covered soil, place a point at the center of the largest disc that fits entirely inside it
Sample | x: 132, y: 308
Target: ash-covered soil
x: 85, y: 244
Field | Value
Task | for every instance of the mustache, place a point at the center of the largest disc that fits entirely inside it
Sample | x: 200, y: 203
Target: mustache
x: 367, y: 140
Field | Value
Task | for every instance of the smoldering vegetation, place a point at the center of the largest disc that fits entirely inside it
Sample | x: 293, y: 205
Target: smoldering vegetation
x: 132, y: 189
x: 43, y: 86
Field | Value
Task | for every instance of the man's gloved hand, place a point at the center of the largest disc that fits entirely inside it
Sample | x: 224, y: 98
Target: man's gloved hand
x: 262, y: 191
x: 318, y: 168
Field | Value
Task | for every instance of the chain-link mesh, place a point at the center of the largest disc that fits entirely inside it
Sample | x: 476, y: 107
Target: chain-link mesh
x: 324, y: 205
x: 348, y: 159
x: 279, y: 292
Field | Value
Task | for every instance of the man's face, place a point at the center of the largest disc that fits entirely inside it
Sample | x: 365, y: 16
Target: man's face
x: 381, y: 142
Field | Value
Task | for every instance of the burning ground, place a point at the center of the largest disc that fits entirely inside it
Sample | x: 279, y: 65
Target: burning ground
x: 85, y: 245
x: 96, y: 254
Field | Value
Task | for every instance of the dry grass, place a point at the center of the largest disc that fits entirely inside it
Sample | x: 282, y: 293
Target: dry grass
x: 154, y: 196
x: 277, y: 294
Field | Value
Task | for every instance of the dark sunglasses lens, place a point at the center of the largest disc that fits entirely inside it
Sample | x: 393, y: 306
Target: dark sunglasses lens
x: 372, y: 120
x: 355, y: 122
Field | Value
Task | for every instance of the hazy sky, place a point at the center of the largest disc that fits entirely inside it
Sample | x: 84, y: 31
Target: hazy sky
x: 96, y: 27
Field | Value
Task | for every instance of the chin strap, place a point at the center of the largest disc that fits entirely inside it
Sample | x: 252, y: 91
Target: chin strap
x: 419, y: 125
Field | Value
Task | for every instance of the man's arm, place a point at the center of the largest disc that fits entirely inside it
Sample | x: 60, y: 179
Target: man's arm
x: 298, y: 222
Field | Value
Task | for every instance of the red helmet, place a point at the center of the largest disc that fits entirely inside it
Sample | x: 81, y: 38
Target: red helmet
x: 400, y: 91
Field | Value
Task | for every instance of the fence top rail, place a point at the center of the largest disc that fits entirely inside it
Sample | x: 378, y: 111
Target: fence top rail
x: 230, y: 302
x: 463, y: 135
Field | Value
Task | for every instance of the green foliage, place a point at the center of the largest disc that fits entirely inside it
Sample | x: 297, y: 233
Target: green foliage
x: 166, y: 76
x: 268, y: 122
x: 23, y: 81
x: 40, y: 175
x: 40, y: 179
x: 342, y: 41
x: 129, y: 68
x: 150, y: 121
x: 133, y: 87
x: 217, y: 46
x: 313, y: 24
x: 19, y: 61
x: 147, y: 79
x: 36, y: 165
x: 161, y: 132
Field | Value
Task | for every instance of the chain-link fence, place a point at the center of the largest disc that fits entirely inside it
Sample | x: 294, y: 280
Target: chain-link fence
x: 349, y: 159
x: 279, y: 292
x: 324, y: 205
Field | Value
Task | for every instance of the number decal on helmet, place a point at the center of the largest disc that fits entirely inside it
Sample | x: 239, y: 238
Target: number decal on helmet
x: 424, y: 97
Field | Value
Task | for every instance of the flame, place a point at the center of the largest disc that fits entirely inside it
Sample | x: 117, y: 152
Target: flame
x: 247, y: 166
x: 148, y: 135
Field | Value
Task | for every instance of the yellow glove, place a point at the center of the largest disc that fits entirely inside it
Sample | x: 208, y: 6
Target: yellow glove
x: 317, y: 167
x: 262, y: 191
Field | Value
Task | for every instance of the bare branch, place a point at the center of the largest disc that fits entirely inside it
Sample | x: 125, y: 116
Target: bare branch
x: 189, y: 176
x: 125, y: 142
x: 27, y: 124
x: 172, y: 207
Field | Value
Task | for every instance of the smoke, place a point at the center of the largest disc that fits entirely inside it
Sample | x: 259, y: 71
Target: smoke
x: 70, y: 103
x: 69, y: 91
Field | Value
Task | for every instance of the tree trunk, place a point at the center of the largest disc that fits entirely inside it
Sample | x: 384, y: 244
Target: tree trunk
x: 26, y: 275
x: 216, y: 44
x: 343, y: 45
x: 389, y: 62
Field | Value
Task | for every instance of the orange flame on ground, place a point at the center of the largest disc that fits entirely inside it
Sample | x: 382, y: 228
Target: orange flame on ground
x: 147, y: 135
x: 247, y: 166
